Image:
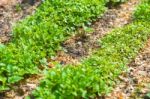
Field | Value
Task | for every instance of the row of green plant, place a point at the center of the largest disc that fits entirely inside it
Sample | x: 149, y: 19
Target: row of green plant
x: 39, y: 36
x: 97, y: 74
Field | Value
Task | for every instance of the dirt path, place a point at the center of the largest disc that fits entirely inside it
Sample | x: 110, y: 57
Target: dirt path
x: 134, y: 82
x: 80, y: 46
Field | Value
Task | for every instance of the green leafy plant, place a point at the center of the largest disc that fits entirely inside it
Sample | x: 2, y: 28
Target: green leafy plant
x: 39, y: 36
x: 143, y: 11
x: 96, y: 75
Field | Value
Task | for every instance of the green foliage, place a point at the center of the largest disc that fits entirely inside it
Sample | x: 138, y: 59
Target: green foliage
x: 39, y: 36
x: 96, y: 75
x: 143, y: 11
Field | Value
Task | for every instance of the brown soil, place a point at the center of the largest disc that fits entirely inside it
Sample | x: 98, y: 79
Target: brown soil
x: 134, y: 82
x: 10, y: 14
x: 23, y: 88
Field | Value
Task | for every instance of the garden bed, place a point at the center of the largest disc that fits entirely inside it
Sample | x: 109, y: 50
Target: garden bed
x: 63, y: 41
